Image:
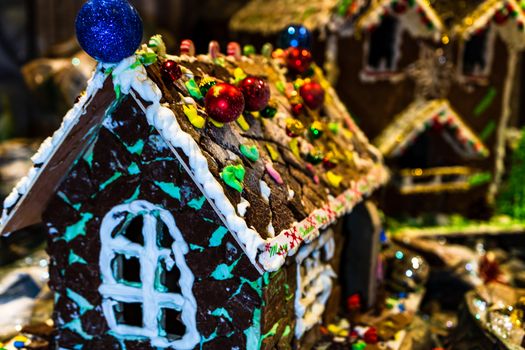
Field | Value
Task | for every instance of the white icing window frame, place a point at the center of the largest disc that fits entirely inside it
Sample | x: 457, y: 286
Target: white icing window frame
x: 481, y: 77
x: 149, y: 256
x: 309, y: 309
x: 370, y: 74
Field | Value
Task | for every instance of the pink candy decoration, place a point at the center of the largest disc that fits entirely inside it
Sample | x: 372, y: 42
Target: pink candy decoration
x: 214, y: 49
x: 274, y: 174
x: 187, y: 48
x: 234, y: 50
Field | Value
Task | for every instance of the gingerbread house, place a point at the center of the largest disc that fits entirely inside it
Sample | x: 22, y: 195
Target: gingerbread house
x: 169, y: 229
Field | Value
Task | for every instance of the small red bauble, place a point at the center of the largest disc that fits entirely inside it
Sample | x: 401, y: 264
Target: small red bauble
x: 224, y: 102
x: 371, y: 336
x: 353, y: 302
x: 171, y: 71
x: 297, y: 109
x: 256, y: 93
x: 399, y: 7
x: 312, y: 94
x: 298, y: 60
x: 501, y: 16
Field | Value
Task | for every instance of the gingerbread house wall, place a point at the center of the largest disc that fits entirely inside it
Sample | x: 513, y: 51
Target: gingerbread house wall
x: 375, y: 104
x: 130, y: 161
x: 278, y: 320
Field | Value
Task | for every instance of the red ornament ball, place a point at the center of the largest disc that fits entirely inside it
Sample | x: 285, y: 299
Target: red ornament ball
x: 298, y: 60
x: 256, y: 93
x: 224, y: 102
x: 170, y: 71
x: 312, y: 94
x: 371, y: 336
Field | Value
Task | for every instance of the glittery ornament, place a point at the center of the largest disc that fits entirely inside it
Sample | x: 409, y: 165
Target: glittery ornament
x: 371, y: 336
x: 170, y: 71
x: 206, y: 84
x: 298, y: 60
x: 224, y: 102
x: 316, y: 130
x: 297, y: 109
x: 269, y: 111
x: 312, y: 94
x: 294, y: 127
x: 315, y: 156
x: 109, y: 30
x: 295, y: 35
x: 256, y: 93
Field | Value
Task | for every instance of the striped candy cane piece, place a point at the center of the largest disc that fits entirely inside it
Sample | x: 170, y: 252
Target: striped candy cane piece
x: 187, y: 48
x: 234, y: 50
x: 214, y: 49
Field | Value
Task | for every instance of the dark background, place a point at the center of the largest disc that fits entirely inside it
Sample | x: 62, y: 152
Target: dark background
x: 31, y: 29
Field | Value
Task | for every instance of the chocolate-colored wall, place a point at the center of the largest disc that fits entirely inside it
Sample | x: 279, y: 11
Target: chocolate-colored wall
x: 116, y: 149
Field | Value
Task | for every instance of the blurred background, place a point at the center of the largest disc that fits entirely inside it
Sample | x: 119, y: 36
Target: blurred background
x: 33, y: 29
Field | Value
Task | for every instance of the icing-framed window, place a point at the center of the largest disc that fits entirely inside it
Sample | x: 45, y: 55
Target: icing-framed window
x: 475, y: 56
x: 314, y: 281
x: 382, y: 51
x: 146, y: 283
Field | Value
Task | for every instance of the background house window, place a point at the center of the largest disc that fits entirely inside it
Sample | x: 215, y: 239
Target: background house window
x: 383, y: 46
x: 477, y: 54
x: 147, y: 286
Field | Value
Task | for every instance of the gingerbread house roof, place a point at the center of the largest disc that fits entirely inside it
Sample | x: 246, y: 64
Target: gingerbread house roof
x: 284, y: 197
x: 416, y: 16
x: 507, y: 15
x: 271, y: 16
x: 418, y: 117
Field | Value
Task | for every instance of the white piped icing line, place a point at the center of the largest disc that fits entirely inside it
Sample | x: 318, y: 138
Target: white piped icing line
x: 147, y: 294
x: 50, y: 145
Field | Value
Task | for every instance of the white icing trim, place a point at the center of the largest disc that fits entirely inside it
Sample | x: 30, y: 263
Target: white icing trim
x: 314, y: 285
x: 150, y: 256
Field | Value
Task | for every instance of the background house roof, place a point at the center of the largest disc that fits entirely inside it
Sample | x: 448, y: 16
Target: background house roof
x: 418, y: 17
x: 271, y: 16
x: 418, y: 117
x: 508, y: 17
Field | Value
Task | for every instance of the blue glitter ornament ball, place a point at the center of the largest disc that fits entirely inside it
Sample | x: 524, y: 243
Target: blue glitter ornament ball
x: 295, y: 35
x: 109, y: 30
